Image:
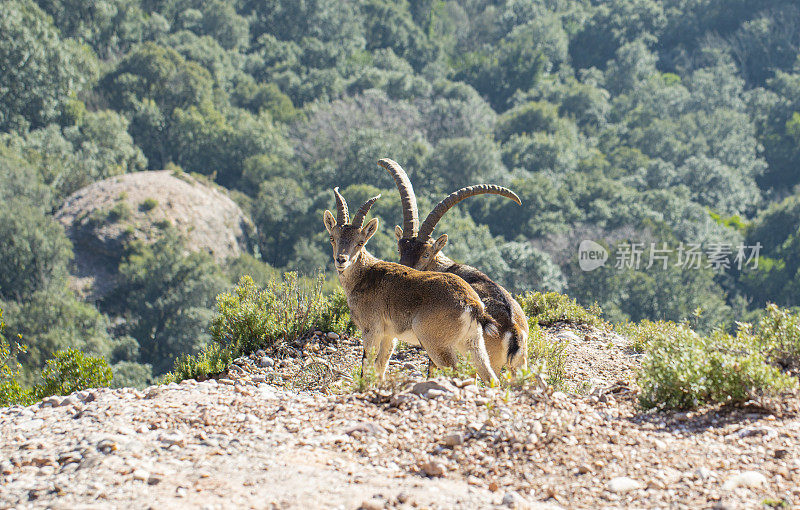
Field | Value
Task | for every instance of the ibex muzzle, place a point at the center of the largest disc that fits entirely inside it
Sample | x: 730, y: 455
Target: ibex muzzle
x: 388, y: 301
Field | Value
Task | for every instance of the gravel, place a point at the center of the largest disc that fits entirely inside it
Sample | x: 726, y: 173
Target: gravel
x: 239, y: 442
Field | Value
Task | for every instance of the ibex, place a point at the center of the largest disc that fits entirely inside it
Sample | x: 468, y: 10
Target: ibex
x: 390, y: 302
x: 509, y: 345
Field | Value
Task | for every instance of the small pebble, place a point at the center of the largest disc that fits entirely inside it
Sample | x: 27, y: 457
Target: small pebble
x: 745, y: 479
x: 453, y: 439
x: 622, y: 484
x: 141, y: 475
x: 432, y: 468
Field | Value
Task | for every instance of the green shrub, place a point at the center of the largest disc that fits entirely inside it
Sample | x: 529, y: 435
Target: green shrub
x: 251, y: 318
x: 641, y: 332
x: 70, y: 371
x: 336, y: 314
x: 548, y: 308
x: 120, y: 211
x: 148, y: 204
x: 779, y: 332
x: 211, y: 360
x: 11, y: 392
x: 682, y: 369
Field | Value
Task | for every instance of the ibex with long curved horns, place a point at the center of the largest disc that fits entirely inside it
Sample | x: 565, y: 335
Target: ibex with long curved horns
x: 388, y: 301
x: 419, y: 250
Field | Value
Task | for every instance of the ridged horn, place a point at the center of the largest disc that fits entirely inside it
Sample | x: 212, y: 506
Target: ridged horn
x: 358, y: 219
x: 452, y: 199
x: 342, y: 214
x: 407, y: 197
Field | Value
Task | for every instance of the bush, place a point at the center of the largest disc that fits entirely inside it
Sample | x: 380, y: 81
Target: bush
x: 120, y: 211
x: 684, y: 370
x: 548, y: 308
x: 148, y: 204
x: 639, y: 333
x: 779, y: 332
x: 70, y: 371
x: 336, y: 314
x: 11, y: 392
x: 251, y: 318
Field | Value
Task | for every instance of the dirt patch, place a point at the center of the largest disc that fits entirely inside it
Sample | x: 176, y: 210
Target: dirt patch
x: 595, y: 357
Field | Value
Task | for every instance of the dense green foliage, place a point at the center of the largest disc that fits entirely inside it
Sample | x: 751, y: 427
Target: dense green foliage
x: 624, y: 121
x: 250, y: 318
x: 11, y: 391
x: 549, y: 308
x: 683, y: 369
x: 68, y: 371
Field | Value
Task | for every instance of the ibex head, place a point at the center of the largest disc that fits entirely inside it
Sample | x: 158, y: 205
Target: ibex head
x: 417, y: 247
x: 348, y: 238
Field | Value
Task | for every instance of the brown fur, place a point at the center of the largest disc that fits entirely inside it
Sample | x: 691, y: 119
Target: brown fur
x: 509, y: 346
x: 389, y: 301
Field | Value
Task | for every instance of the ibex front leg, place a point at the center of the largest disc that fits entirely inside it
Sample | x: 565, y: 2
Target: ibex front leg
x: 385, y: 351
x: 371, y: 347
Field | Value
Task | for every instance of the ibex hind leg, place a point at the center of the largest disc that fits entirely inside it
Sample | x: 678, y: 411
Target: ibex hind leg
x: 442, y: 358
x: 476, y: 349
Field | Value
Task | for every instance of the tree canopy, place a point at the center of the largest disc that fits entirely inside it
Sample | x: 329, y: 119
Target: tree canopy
x: 661, y: 122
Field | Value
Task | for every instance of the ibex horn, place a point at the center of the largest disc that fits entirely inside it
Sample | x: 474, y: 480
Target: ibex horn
x: 342, y: 214
x: 442, y: 207
x: 358, y: 219
x: 409, y: 200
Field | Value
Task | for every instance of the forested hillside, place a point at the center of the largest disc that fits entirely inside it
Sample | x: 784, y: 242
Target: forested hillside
x: 638, y: 124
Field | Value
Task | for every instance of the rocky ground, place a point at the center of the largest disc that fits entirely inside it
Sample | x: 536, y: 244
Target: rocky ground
x: 256, y: 439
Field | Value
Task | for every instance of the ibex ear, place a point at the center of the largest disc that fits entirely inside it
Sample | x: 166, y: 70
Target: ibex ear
x: 370, y: 229
x: 439, y: 244
x: 398, y: 232
x: 329, y: 220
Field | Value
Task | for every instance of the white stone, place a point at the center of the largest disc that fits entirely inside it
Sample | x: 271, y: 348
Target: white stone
x: 141, y: 474
x: 623, y: 484
x: 745, y: 479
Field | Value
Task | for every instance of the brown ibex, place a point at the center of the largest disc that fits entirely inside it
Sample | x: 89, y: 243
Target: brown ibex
x: 391, y: 302
x: 418, y: 250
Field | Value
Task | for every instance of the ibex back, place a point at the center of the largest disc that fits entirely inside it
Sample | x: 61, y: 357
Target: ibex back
x: 438, y: 311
